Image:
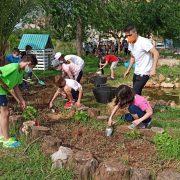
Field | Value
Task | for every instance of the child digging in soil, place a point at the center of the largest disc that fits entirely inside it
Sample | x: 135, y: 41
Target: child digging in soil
x: 70, y: 88
x: 11, y: 76
x: 140, y: 111
x: 109, y: 59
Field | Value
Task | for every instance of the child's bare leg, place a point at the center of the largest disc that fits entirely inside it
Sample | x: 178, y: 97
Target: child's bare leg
x: 112, y: 73
x: 4, y: 122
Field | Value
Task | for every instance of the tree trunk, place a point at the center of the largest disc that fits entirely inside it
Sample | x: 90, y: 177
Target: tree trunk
x: 79, y: 38
x: 3, y: 47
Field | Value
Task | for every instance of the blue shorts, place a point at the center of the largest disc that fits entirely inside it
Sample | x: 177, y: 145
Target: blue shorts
x: 3, y: 100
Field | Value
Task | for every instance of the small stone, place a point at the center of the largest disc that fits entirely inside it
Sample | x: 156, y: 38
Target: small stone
x: 157, y: 130
x: 168, y: 174
x: 15, y: 118
x: 102, y: 117
x: 93, y: 112
x: 172, y: 104
x: 161, y: 78
x: 83, y: 108
x: 57, y: 165
x: 167, y: 85
x: 168, y: 79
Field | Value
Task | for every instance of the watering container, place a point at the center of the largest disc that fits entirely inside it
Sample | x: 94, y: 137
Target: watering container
x: 104, y: 94
x: 98, y: 80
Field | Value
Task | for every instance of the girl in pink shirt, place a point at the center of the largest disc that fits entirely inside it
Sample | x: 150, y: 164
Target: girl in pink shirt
x: 140, y: 111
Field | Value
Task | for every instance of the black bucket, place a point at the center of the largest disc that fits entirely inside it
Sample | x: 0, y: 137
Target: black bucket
x: 104, y: 94
x: 98, y: 80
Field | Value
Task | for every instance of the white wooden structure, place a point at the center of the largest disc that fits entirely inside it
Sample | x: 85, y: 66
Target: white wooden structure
x: 41, y: 46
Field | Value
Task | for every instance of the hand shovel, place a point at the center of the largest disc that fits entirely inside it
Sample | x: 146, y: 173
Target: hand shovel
x: 39, y: 81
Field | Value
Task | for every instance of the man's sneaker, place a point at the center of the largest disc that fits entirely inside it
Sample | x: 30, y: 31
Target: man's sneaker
x: 11, y: 143
x: 68, y: 105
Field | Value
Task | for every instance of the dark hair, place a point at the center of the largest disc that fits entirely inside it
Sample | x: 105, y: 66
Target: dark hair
x: 30, y: 58
x: 28, y: 47
x: 16, y: 50
x: 60, y: 81
x: 124, y: 96
x: 129, y: 28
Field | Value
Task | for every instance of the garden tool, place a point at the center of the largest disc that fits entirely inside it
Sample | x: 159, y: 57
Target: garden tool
x: 39, y: 81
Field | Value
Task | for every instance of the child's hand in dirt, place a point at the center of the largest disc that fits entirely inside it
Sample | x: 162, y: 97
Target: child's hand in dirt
x: 22, y: 104
x: 78, y: 104
x: 111, y: 122
x: 136, y: 122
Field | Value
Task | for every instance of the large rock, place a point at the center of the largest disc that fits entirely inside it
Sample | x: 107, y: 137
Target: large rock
x: 83, y: 164
x: 167, y: 85
x: 162, y: 103
x: 151, y: 83
x: 157, y: 130
x: 177, y: 85
x: 140, y: 174
x: 112, y: 170
x: 38, y: 131
x: 168, y: 175
x: 93, y: 112
x: 50, y: 145
x: 62, y: 154
x: 161, y: 78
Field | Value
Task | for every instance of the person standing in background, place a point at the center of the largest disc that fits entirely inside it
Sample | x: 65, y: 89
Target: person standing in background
x: 144, y: 55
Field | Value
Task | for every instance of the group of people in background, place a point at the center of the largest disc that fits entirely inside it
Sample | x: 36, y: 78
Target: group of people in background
x: 106, y: 47
x: 68, y: 82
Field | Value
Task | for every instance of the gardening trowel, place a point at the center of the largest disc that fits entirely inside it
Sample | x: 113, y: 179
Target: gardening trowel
x: 39, y: 81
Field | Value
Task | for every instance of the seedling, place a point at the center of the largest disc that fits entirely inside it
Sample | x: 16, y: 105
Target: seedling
x: 134, y: 134
x: 30, y: 113
x: 81, y: 116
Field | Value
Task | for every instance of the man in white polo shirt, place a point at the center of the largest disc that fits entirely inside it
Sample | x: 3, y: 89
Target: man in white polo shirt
x: 145, y: 57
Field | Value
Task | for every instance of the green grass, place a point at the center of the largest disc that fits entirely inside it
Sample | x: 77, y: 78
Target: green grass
x: 168, y: 147
x: 47, y: 73
x: 31, y: 165
x: 167, y: 53
x: 167, y: 71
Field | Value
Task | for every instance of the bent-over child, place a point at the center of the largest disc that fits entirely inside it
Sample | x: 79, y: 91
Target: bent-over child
x: 68, y: 88
x: 140, y: 110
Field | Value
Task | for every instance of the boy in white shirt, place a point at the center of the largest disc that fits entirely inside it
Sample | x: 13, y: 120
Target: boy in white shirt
x: 69, y: 88
x: 145, y: 57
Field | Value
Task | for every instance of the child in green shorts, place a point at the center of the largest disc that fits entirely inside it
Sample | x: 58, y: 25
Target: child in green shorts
x: 11, y: 76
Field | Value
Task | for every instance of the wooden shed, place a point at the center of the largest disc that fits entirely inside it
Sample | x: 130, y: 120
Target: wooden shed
x: 42, y: 47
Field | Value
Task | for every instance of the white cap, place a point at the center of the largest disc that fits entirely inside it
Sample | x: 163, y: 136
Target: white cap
x: 57, y: 55
x: 55, y: 63
x: 67, y: 57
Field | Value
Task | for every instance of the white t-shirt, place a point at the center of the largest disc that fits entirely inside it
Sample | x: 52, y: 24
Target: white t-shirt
x: 76, y: 60
x: 73, y: 84
x: 143, y: 59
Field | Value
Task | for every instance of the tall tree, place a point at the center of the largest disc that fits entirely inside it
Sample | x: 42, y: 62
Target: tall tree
x: 73, y: 17
x: 11, y: 12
